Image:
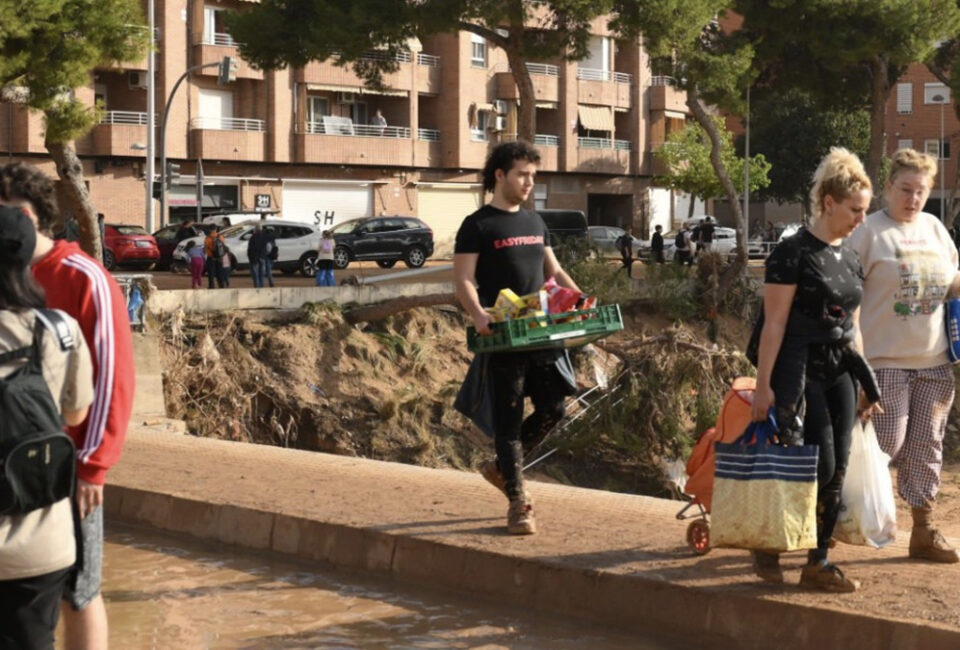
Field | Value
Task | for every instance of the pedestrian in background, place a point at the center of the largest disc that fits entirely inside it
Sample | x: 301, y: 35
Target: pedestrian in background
x: 625, y: 246
x: 214, y: 249
x: 656, y: 245
x: 273, y: 254
x: 37, y: 548
x: 257, y: 255
x: 682, y: 245
x: 197, y: 260
x: 910, y: 266
x: 79, y: 285
x: 324, y: 276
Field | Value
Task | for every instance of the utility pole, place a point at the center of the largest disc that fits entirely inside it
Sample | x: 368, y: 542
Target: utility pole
x: 199, y: 190
x: 151, y: 113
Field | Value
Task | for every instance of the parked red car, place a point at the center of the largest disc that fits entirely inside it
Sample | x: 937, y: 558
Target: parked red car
x: 129, y: 245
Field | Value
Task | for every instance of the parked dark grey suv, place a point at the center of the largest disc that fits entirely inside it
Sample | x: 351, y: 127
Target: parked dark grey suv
x: 385, y: 240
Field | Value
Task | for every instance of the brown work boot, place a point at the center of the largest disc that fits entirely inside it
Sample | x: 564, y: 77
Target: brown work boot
x: 767, y: 566
x: 926, y: 542
x: 520, y: 519
x: 491, y: 473
x: 827, y: 577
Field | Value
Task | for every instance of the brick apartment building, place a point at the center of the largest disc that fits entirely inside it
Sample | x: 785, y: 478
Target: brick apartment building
x: 301, y: 141
x: 913, y: 120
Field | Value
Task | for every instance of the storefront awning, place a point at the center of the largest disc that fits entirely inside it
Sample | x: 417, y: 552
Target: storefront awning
x: 360, y: 90
x: 596, y: 118
x: 490, y: 108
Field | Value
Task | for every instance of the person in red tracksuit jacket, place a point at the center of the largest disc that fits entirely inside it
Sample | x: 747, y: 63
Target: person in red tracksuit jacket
x: 79, y: 285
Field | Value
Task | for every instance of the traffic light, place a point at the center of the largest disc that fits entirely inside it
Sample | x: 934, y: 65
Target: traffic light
x: 172, y: 173
x: 228, y: 70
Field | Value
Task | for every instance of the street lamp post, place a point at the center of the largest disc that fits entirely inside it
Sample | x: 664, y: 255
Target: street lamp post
x: 151, y: 152
x: 228, y: 72
x: 940, y: 99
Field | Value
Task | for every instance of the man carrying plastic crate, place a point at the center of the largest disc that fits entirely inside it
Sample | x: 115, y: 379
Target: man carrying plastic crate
x: 501, y: 246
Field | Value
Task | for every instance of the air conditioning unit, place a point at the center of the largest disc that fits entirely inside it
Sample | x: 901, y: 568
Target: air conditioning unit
x: 501, y: 106
x: 346, y: 98
x: 500, y: 124
x: 137, y: 79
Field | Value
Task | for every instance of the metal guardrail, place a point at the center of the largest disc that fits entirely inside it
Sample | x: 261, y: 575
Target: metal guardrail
x: 595, y: 143
x: 543, y: 68
x: 125, y: 117
x: 546, y: 140
x: 431, y: 135
x: 622, y: 145
x: 428, y: 60
x: 375, y: 55
x: 593, y: 74
x: 227, y: 123
x: 361, y: 130
x: 622, y: 78
x: 663, y: 80
x: 220, y: 38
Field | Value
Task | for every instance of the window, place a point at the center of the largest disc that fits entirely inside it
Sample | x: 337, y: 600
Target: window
x: 932, y: 147
x: 905, y: 144
x: 412, y: 223
x: 478, y: 51
x: 358, y: 112
x: 539, y: 196
x: 317, y: 107
x: 214, y: 28
x: 931, y: 93
x: 905, y: 98
x: 479, y: 134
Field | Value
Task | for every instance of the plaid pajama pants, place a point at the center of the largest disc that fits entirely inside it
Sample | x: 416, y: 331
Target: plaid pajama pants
x: 915, y: 404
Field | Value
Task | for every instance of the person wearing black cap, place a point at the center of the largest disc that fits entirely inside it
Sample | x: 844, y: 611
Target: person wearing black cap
x: 37, y: 548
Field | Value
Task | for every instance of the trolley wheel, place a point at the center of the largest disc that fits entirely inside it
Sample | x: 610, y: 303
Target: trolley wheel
x: 698, y: 536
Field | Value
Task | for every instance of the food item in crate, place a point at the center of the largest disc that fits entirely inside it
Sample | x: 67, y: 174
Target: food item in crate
x: 560, y: 299
x: 537, y: 319
x: 536, y: 301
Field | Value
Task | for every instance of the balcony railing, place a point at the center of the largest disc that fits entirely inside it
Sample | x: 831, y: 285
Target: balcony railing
x: 227, y: 123
x: 546, y: 140
x: 595, y: 143
x: 663, y: 80
x: 219, y: 38
x: 543, y: 68
x: 433, y: 135
x: 359, y: 130
x: 125, y: 117
x: 594, y: 74
x: 622, y: 78
x: 428, y: 60
x: 376, y: 55
x: 621, y: 145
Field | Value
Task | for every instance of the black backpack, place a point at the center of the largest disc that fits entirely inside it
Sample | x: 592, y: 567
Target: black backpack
x: 680, y: 241
x: 37, y: 459
x: 219, y: 248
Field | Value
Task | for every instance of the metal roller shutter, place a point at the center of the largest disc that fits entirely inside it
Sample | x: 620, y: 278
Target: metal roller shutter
x: 326, y: 204
x: 443, y: 208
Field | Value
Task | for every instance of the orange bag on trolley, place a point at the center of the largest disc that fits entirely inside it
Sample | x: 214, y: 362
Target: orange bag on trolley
x: 731, y: 423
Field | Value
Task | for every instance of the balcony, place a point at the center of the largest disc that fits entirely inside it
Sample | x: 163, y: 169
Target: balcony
x: 342, y: 78
x: 603, y: 155
x: 546, y: 82
x: 227, y: 138
x: 213, y: 47
x: 665, y: 96
x: 343, y: 142
x: 118, y: 131
x: 427, y: 150
x: 27, y: 129
x: 604, y: 87
x: 428, y: 74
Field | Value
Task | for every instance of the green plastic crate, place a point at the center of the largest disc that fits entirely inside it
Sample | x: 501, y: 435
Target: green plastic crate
x: 519, y: 336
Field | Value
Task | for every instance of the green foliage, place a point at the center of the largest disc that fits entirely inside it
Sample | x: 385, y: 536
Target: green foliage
x: 49, y: 47
x: 686, y: 154
x: 796, y: 151
x: 671, y: 291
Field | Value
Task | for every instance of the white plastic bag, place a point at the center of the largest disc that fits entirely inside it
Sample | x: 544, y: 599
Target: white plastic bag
x: 868, y: 515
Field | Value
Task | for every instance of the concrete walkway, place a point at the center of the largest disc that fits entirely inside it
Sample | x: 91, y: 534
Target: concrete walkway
x: 607, y: 557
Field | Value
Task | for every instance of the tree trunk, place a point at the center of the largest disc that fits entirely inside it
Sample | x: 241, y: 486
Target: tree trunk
x: 693, y: 201
x: 527, y: 111
x: 381, y: 310
x: 880, y: 90
x: 70, y: 170
x: 733, y: 271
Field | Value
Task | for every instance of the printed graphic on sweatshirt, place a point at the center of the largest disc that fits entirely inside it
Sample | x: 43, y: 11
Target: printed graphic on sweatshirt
x: 923, y: 282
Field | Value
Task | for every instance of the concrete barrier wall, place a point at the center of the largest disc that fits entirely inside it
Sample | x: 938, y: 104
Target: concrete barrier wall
x: 202, y: 301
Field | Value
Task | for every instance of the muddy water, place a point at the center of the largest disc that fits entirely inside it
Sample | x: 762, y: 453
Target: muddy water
x: 164, y: 592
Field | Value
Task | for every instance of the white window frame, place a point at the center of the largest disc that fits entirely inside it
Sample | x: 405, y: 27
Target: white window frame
x: 540, y: 196
x: 932, y: 147
x: 356, y: 108
x: 936, y: 88
x: 479, y: 133
x: 906, y: 143
x: 478, y: 51
x: 904, y: 98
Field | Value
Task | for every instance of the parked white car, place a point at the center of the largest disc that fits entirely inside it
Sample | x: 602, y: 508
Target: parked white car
x: 296, y: 245
x: 724, y: 242
x: 759, y: 249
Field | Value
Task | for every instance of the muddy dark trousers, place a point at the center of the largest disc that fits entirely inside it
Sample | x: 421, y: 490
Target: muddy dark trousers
x: 513, y: 377
x: 831, y: 411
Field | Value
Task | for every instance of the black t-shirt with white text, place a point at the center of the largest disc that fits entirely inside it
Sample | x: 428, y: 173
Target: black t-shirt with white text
x: 510, y: 248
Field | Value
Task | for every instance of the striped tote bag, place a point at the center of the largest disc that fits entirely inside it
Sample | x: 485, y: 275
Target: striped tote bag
x: 764, y: 495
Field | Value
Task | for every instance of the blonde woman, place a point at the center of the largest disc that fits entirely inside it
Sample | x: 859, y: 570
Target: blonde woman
x: 910, y: 265
x: 807, y: 352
